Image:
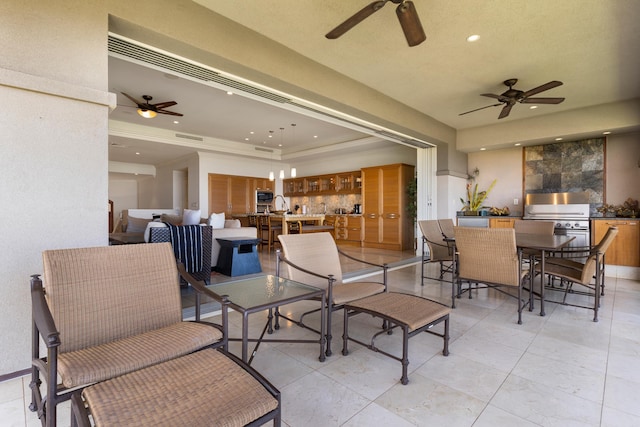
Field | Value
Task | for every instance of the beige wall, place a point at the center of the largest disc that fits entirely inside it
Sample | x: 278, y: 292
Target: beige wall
x: 622, y: 174
x: 53, y: 158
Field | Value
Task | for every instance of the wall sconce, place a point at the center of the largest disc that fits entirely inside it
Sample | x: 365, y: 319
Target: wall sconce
x: 281, y: 173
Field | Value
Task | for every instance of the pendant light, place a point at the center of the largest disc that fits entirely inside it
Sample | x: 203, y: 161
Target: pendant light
x: 281, y: 140
x: 271, y: 175
x: 294, y: 172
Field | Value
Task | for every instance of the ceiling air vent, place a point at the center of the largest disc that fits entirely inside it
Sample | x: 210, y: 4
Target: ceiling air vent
x: 195, y: 138
x: 184, y: 68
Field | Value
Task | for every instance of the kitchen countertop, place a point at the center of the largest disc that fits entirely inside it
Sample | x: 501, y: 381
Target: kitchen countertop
x: 614, y: 218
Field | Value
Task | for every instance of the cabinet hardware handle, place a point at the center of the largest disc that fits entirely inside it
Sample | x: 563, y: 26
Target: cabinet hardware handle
x: 392, y: 216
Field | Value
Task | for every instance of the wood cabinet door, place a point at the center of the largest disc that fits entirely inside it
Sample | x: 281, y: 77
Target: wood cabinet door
x: 391, y: 195
x: 239, y: 194
x: 502, y: 222
x: 218, y: 194
x: 625, y: 249
x: 372, y: 204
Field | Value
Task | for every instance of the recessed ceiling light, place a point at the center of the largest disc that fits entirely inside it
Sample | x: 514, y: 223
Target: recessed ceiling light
x: 315, y: 136
x: 473, y: 38
x: 252, y: 132
x: 517, y: 144
x: 606, y: 133
x: 482, y: 149
x: 137, y: 153
x: 533, y: 107
x: 175, y: 122
x: 246, y: 139
x: 229, y: 92
x: 558, y: 139
x: 279, y: 145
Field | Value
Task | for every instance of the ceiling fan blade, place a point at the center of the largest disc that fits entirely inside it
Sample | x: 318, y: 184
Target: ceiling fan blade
x: 410, y: 23
x: 542, y: 88
x: 165, y: 104
x: 481, y: 108
x: 354, y: 20
x: 505, y: 111
x: 171, y: 113
x: 500, y: 98
x: 542, y: 100
x: 132, y: 99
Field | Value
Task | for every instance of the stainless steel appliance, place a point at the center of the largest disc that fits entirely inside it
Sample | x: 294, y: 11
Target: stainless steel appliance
x: 264, y: 198
x: 569, y: 211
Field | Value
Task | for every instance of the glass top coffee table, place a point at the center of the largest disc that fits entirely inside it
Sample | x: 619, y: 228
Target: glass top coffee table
x: 261, y: 293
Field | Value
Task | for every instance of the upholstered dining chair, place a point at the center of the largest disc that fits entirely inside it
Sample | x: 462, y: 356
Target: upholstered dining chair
x: 103, y: 312
x: 314, y: 259
x: 583, y: 267
x: 490, y: 256
x: 439, y: 250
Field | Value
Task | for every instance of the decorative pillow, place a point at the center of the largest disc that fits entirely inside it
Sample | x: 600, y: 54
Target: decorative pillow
x: 136, y: 225
x: 191, y: 217
x: 171, y: 219
x: 216, y: 220
x: 147, y: 233
x: 232, y: 223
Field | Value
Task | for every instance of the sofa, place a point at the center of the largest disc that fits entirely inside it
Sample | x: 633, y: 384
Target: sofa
x: 141, y: 220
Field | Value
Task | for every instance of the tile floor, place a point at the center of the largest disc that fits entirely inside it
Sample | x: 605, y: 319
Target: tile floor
x: 558, y: 370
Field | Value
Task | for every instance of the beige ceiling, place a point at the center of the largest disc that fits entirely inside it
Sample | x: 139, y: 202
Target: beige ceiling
x: 592, y: 46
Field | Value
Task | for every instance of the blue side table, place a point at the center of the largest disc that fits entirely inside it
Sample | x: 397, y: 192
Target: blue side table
x: 238, y: 256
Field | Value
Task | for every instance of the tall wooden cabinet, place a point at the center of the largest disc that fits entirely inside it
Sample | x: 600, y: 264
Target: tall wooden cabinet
x: 384, y: 197
x: 625, y: 249
x: 234, y: 194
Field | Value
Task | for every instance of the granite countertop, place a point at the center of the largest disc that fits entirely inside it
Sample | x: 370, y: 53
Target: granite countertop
x: 616, y: 218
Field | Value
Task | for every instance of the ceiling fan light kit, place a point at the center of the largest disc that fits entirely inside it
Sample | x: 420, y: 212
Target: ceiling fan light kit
x: 512, y: 96
x: 148, y: 110
x: 407, y: 15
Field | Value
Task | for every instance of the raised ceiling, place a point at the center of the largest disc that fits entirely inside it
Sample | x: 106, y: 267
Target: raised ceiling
x: 590, y: 45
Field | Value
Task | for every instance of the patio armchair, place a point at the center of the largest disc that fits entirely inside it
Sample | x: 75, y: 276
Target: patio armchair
x: 104, y: 312
x: 314, y: 259
x: 583, y: 267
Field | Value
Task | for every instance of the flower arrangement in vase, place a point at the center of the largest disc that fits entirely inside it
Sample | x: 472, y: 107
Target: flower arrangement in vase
x: 475, y: 198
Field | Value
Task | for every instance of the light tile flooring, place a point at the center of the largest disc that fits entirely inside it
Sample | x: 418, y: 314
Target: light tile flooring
x: 558, y: 370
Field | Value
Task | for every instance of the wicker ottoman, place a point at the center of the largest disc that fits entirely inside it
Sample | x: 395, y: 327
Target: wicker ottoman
x: 412, y: 313
x: 205, y: 388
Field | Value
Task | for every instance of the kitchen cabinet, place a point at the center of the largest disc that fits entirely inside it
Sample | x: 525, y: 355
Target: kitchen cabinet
x: 234, y: 194
x: 384, y: 196
x: 499, y: 222
x: 347, y: 229
x: 342, y: 182
x: 625, y: 249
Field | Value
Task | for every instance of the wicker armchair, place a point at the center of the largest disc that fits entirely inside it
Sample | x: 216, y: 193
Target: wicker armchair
x: 584, y: 267
x: 439, y: 250
x: 490, y: 256
x: 103, y: 312
x: 314, y: 259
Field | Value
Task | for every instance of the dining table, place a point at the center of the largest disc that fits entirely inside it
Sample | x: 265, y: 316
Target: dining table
x: 544, y: 244
x: 317, y: 219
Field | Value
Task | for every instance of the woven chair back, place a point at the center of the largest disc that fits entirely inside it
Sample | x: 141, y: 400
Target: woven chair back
x: 98, y: 295
x: 488, y: 255
x: 534, y: 227
x: 446, y: 226
x: 438, y: 249
x: 315, y: 252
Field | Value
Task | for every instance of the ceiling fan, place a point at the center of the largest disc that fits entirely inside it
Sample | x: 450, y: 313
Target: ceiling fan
x: 511, y: 96
x: 148, y: 110
x: 407, y: 15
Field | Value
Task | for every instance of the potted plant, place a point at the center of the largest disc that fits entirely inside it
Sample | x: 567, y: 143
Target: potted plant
x: 475, y: 199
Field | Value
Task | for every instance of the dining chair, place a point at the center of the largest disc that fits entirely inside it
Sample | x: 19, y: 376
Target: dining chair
x: 577, y: 266
x: 523, y: 226
x: 446, y: 226
x: 268, y: 230
x: 439, y: 250
x: 314, y: 259
x: 489, y: 256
